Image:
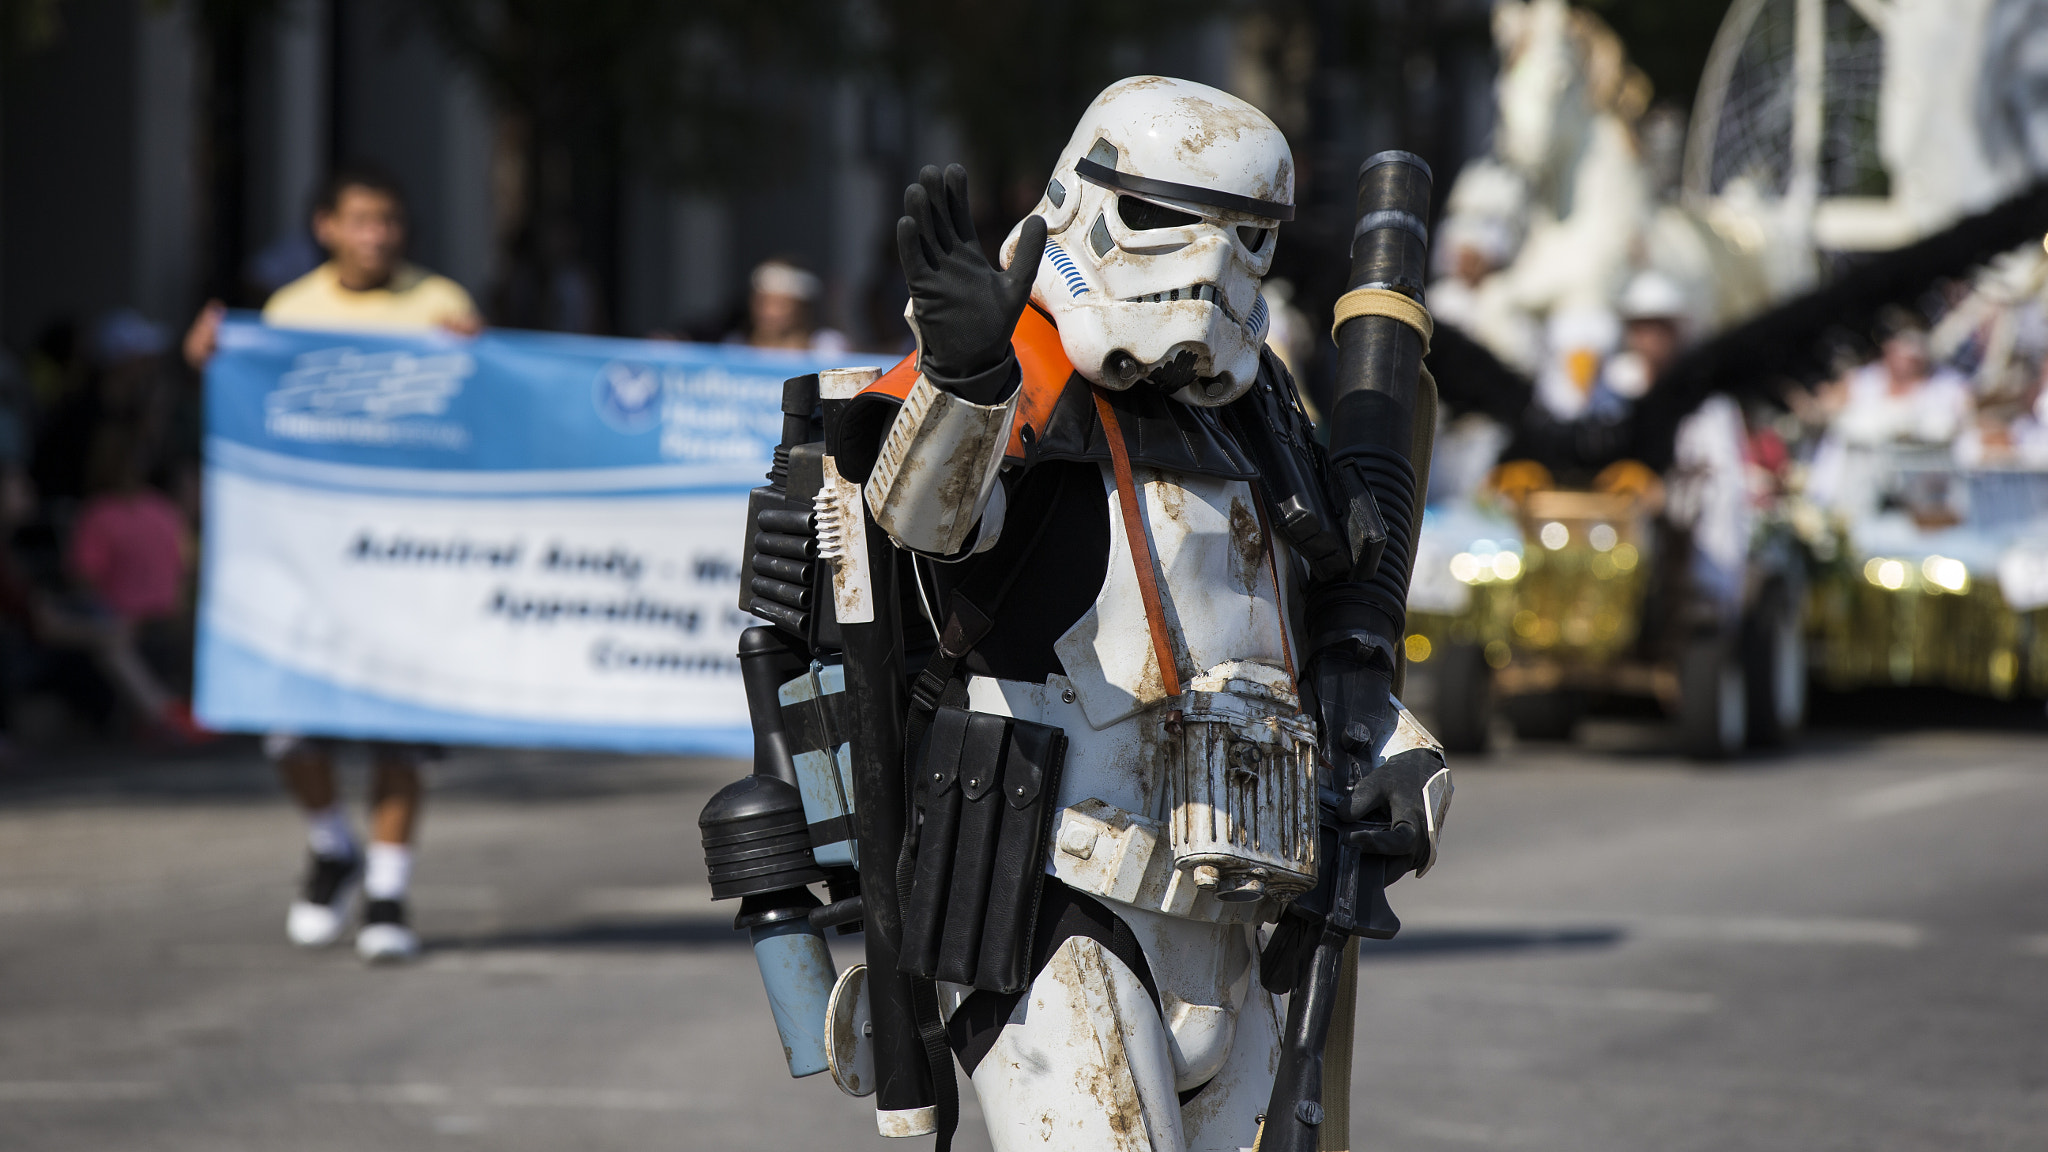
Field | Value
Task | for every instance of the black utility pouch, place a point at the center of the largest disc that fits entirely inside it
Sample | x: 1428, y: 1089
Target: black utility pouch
x: 985, y: 791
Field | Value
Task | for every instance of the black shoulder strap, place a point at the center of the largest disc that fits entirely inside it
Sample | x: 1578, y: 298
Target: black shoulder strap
x: 966, y: 624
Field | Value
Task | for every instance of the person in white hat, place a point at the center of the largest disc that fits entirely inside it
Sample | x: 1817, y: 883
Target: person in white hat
x: 1656, y: 325
x: 782, y: 308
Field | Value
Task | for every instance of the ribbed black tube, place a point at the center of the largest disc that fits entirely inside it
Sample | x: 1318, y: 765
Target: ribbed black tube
x: 1392, y: 481
x: 1379, y: 365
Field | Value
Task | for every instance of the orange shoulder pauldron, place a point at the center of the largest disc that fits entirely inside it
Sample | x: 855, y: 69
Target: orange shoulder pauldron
x: 1046, y: 371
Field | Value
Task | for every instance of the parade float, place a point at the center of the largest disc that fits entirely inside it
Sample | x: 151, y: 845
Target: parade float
x: 1598, y: 532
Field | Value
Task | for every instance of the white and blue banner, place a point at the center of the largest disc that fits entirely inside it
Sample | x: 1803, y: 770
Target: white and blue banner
x: 521, y: 538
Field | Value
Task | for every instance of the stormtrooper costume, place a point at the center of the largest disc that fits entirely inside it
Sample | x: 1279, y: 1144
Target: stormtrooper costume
x: 1101, y: 499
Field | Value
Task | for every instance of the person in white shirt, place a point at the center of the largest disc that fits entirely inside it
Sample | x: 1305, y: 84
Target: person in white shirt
x: 1899, y: 400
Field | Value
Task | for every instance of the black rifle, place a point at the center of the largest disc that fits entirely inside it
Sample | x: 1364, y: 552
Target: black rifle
x: 1356, y: 627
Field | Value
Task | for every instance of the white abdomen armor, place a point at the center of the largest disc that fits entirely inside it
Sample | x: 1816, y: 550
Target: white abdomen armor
x: 1201, y: 805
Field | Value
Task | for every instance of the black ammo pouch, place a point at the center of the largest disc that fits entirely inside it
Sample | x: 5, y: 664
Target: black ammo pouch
x: 985, y: 790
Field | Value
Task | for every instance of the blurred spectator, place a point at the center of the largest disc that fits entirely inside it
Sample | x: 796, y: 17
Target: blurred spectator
x: 780, y: 311
x: 127, y: 385
x: 1472, y: 248
x: 1479, y: 235
x: 1654, y: 331
x: 1708, y: 486
x: 128, y: 545
x: 80, y: 623
x: 1899, y: 401
x: 2008, y: 432
x: 131, y: 555
x: 366, y: 284
x: 1901, y: 396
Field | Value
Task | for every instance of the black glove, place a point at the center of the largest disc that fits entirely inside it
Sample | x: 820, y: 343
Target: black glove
x: 965, y: 309
x: 1394, y: 792
x: 1354, y: 691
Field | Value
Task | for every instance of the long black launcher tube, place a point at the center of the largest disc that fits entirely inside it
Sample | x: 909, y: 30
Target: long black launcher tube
x: 875, y: 688
x: 1379, y: 365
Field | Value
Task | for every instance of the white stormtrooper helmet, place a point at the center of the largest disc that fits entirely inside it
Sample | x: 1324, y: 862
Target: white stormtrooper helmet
x: 1160, y: 222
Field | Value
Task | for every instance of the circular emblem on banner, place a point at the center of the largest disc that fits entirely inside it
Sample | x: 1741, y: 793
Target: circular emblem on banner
x: 628, y: 395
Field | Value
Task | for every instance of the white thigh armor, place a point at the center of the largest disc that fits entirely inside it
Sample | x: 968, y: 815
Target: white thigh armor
x: 1084, y: 1061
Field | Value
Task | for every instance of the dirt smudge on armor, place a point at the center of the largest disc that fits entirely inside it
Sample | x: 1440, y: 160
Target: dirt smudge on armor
x: 1106, y: 1079
x: 1249, y: 544
x: 1171, y: 498
x: 1120, y: 1106
x: 1151, y: 686
x: 1213, y: 122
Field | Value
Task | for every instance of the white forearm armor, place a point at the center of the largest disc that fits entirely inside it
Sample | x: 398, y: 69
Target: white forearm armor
x: 938, y: 465
x: 1409, y: 734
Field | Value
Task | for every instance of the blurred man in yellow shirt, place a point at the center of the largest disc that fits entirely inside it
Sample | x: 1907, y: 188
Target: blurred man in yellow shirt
x: 366, y: 285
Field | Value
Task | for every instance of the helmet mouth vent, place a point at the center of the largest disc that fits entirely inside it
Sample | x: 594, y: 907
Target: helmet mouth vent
x: 1206, y: 292
x: 1209, y: 293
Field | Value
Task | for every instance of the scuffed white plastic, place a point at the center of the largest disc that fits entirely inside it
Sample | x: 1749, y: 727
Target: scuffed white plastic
x: 937, y: 467
x: 1155, y: 293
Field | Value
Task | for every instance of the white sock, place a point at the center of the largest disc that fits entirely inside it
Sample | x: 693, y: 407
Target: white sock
x: 387, y: 871
x: 328, y: 833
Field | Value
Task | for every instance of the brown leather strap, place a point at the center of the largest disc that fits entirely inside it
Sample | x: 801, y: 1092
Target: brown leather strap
x: 1141, y: 545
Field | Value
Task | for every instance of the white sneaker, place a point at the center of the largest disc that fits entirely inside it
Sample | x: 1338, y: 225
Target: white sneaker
x: 385, y: 938
x: 320, y: 913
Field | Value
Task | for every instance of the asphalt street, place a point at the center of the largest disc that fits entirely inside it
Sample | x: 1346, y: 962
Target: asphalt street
x: 1841, y: 947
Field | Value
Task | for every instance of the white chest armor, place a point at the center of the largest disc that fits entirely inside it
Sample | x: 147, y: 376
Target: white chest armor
x: 1202, y: 805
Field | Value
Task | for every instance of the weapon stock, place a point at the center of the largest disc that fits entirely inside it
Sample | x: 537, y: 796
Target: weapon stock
x: 1350, y: 899
x: 1294, y: 1112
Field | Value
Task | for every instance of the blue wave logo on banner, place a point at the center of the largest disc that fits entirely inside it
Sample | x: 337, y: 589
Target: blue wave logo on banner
x: 344, y: 396
x: 628, y: 395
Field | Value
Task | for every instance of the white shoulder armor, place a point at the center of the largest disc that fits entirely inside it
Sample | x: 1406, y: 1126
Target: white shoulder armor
x: 938, y: 465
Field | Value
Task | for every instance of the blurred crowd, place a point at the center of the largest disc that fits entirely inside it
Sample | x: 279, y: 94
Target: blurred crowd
x: 99, y: 510
x: 1969, y: 387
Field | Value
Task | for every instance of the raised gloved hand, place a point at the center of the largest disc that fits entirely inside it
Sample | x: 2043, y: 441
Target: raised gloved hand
x: 964, y: 307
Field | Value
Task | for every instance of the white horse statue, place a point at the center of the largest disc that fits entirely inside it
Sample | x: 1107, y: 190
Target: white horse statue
x: 1567, y: 102
x: 1586, y: 218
